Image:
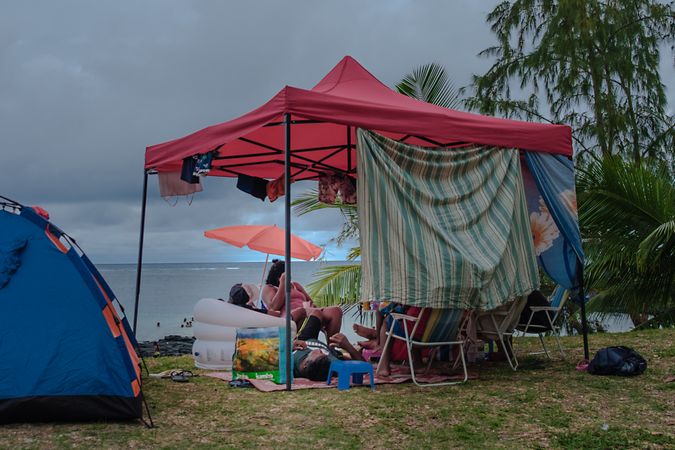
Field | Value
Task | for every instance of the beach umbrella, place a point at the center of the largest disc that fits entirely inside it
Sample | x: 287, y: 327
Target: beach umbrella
x: 265, y: 239
x: 268, y: 239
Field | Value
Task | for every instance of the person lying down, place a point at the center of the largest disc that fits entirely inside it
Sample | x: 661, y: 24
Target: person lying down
x: 311, y: 357
x: 246, y: 295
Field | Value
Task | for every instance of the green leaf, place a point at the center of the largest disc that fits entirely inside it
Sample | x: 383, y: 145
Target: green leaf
x: 627, y: 219
x: 430, y: 83
x: 336, y: 285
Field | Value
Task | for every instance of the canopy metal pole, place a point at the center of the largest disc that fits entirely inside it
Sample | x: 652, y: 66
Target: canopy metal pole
x: 584, y: 323
x: 349, y: 149
x: 140, y: 247
x: 287, y: 262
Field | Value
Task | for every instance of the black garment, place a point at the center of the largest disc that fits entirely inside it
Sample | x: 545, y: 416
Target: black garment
x: 188, y: 169
x: 254, y: 186
x: 311, y: 329
x: 310, y: 334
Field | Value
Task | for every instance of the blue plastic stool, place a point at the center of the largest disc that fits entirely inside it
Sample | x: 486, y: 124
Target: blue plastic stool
x: 348, y: 371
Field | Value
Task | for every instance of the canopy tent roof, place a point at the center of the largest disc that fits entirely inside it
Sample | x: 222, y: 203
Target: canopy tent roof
x: 348, y: 97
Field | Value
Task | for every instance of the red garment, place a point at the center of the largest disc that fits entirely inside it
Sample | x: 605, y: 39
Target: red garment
x: 332, y: 184
x: 277, y: 187
x: 399, y: 351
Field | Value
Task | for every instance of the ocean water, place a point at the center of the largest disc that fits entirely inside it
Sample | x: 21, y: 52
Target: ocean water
x: 169, y: 292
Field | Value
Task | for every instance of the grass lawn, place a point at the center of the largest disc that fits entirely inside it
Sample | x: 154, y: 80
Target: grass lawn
x: 545, y: 404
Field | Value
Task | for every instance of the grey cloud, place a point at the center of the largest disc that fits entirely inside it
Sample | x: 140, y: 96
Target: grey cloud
x: 86, y: 86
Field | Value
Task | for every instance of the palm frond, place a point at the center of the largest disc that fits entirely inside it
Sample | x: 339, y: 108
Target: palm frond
x: 354, y: 253
x: 430, y: 83
x: 308, y: 202
x: 627, y: 216
x: 663, y: 320
x: 657, y: 248
x: 336, y: 285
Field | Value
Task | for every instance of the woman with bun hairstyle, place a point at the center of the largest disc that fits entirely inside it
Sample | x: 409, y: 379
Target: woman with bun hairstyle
x: 302, y: 306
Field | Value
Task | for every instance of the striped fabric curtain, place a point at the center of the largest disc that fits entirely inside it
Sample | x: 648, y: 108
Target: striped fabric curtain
x: 442, y: 228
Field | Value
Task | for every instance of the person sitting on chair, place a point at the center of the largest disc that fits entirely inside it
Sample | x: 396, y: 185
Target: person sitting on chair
x: 396, y: 349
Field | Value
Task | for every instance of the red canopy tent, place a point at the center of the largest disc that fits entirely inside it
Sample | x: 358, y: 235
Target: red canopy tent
x: 323, y: 120
x: 348, y: 97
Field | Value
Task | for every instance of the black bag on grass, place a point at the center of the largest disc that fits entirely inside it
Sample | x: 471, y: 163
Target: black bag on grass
x: 623, y: 361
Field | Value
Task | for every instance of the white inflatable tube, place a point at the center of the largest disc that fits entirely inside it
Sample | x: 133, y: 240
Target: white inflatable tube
x: 215, y: 329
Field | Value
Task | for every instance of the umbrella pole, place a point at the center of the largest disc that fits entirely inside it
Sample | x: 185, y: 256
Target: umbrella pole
x: 262, y: 280
x: 287, y: 183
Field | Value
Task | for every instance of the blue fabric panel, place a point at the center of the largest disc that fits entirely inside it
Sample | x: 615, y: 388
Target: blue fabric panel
x: 87, y: 278
x: 111, y: 295
x: 10, y: 259
x: 94, y: 271
x: 54, y: 340
x: 551, y: 201
x: 557, y: 296
x: 447, y: 325
x: 130, y: 332
x: 554, y: 175
x: 282, y: 357
x: 131, y: 372
x: 33, y: 217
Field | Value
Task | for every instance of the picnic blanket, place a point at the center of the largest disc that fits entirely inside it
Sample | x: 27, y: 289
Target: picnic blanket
x: 398, y: 375
x: 443, y: 227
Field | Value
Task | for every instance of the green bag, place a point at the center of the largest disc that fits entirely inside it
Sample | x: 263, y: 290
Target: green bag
x: 259, y: 353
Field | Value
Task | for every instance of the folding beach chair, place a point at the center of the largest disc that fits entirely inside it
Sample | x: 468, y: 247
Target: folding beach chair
x: 444, y: 327
x: 543, y: 319
x: 498, y: 325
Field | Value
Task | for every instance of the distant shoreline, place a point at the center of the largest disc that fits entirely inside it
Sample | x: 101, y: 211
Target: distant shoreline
x: 221, y: 262
x: 172, y: 345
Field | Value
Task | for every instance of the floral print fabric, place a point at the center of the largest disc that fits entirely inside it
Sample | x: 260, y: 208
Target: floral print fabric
x: 332, y: 185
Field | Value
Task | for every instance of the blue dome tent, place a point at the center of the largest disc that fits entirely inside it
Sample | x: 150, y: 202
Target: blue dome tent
x: 65, y: 351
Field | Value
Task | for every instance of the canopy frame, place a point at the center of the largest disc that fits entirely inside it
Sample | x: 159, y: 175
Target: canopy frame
x: 312, y: 167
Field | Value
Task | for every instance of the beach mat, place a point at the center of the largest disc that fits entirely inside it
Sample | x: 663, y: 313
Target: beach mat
x: 398, y: 375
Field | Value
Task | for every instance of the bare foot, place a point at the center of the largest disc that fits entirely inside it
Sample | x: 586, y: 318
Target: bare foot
x: 365, y: 332
x: 383, y: 372
x: 370, y: 345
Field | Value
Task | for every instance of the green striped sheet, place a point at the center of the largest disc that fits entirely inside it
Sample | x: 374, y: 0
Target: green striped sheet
x: 442, y: 228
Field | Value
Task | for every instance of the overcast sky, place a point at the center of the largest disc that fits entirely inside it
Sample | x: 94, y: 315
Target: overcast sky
x: 85, y: 86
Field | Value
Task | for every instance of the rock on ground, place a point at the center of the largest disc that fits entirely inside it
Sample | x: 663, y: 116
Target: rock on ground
x: 168, y: 346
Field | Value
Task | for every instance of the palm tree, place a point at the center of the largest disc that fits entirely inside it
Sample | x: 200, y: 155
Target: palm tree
x: 627, y: 213
x: 342, y: 284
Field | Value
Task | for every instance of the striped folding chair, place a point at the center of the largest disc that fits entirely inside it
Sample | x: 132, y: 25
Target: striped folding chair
x: 544, y: 319
x: 498, y: 325
x: 444, y: 327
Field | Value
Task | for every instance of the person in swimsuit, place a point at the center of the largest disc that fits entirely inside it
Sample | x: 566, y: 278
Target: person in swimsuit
x: 302, y: 305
